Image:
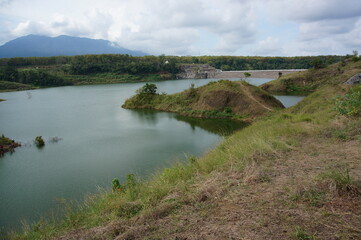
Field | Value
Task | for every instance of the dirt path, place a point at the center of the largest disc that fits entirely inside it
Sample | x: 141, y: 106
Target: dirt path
x: 250, y: 95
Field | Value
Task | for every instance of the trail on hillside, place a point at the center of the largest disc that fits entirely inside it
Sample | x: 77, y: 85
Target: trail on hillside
x: 249, y: 94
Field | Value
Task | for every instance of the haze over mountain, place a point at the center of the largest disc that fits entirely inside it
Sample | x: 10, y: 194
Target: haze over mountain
x: 42, y: 46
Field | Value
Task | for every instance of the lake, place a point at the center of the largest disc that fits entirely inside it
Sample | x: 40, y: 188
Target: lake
x: 90, y: 140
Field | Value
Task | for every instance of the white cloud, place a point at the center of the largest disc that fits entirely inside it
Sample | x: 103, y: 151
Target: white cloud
x: 311, y: 10
x: 269, y: 47
x: 177, y: 27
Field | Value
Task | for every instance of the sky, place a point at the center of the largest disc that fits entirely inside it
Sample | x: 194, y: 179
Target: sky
x: 195, y: 27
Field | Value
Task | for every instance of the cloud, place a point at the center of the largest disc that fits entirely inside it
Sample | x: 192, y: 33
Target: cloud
x: 4, y: 3
x: 269, y: 47
x: 181, y: 27
x: 171, y: 27
x: 310, y: 10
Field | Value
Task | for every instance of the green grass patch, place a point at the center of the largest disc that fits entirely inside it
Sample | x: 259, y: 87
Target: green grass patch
x: 14, y: 86
x: 300, y: 234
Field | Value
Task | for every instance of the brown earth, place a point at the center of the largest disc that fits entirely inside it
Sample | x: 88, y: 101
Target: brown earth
x: 266, y: 200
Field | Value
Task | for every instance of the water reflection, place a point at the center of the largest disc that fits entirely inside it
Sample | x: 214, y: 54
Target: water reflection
x: 145, y: 116
x: 221, y: 127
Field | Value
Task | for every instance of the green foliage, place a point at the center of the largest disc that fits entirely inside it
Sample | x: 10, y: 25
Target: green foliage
x: 300, y: 234
x: 118, y: 63
x: 116, y: 187
x: 312, y: 196
x: 129, y: 209
x: 148, y: 88
x: 317, y: 63
x: 31, y: 76
x: 350, y: 103
x: 341, y: 179
x: 9, y: 74
x: 39, y: 142
x: 14, y: 86
x: 225, y: 67
x: 132, y: 187
x: 246, y: 74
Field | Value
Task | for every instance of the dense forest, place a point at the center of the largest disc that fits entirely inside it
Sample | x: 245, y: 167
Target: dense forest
x: 68, y: 70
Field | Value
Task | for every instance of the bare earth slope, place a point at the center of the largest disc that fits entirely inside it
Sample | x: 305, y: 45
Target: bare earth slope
x: 222, y: 99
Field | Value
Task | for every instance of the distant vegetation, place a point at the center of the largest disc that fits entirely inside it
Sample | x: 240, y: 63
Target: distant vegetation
x: 117, y: 68
x: 309, y: 81
x: 7, y: 145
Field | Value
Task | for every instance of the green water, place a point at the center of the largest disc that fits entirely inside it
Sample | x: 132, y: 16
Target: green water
x: 99, y: 141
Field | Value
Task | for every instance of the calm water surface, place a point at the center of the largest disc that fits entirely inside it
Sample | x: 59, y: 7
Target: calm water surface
x: 99, y: 141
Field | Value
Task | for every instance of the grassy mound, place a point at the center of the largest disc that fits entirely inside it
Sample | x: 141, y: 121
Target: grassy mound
x: 6, y: 86
x: 222, y: 99
x: 312, y: 79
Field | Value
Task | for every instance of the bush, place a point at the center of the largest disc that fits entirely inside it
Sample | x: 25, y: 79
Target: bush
x: 39, y: 142
x: 148, y: 88
x: 350, y: 103
x: 116, y: 186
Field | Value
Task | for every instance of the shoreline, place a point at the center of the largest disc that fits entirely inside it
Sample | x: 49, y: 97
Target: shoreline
x: 257, y: 73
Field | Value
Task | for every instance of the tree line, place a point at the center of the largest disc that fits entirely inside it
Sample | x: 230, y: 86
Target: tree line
x: 86, y: 64
x: 50, y: 71
x: 33, y: 77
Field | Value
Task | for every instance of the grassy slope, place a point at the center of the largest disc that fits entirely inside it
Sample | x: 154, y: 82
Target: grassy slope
x: 6, y: 86
x: 292, y: 175
x: 113, y: 78
x: 312, y: 79
x: 222, y: 99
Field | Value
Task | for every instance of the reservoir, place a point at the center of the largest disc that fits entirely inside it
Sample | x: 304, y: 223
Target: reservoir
x: 90, y: 140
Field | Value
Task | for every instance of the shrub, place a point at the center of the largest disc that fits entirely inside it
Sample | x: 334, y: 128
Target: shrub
x: 246, y: 74
x: 148, y: 88
x: 350, y: 103
x: 116, y: 187
x: 300, y: 234
x: 39, y: 142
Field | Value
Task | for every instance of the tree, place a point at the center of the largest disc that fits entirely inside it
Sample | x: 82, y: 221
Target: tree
x: 148, y: 88
x: 317, y: 63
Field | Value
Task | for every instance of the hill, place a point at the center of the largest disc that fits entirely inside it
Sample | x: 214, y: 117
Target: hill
x: 42, y: 46
x: 309, y: 81
x: 222, y: 99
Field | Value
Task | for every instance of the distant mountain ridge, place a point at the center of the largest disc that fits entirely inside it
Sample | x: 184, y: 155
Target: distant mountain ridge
x: 63, y: 45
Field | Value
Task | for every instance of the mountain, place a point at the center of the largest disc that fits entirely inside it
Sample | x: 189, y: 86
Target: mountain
x: 42, y: 46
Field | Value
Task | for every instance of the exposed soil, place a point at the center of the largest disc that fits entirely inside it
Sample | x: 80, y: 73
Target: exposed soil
x: 266, y: 200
